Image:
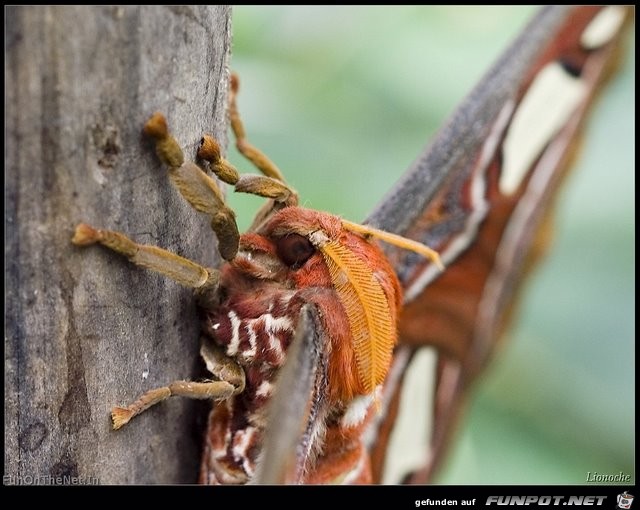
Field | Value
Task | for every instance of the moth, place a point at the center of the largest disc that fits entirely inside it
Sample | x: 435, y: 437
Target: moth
x: 309, y: 327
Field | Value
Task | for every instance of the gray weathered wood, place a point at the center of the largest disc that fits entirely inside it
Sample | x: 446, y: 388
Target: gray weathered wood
x: 85, y: 330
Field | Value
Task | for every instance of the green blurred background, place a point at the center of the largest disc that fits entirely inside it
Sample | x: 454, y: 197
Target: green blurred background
x: 344, y: 98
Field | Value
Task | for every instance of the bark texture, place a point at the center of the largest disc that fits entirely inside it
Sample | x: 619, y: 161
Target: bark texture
x: 85, y: 330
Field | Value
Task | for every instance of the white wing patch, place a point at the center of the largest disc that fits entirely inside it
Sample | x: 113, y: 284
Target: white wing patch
x: 408, y: 443
x: 546, y: 107
x: 603, y: 27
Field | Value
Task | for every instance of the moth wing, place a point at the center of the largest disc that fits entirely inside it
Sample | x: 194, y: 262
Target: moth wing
x: 480, y: 194
x: 296, y: 410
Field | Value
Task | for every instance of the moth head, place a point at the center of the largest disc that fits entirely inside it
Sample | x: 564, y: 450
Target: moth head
x: 331, y: 263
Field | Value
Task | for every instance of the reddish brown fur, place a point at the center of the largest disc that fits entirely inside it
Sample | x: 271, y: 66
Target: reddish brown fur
x: 260, y: 292
x: 343, y: 451
x: 343, y: 380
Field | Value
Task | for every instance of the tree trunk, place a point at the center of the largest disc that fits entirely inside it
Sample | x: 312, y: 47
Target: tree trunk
x: 86, y: 330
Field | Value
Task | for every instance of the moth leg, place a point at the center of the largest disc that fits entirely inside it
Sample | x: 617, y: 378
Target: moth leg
x: 215, y: 390
x: 183, y: 271
x: 253, y: 154
x: 200, y: 190
x: 269, y: 185
x: 232, y: 381
x: 260, y: 185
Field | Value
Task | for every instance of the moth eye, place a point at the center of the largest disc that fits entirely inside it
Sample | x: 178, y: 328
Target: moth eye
x: 294, y: 250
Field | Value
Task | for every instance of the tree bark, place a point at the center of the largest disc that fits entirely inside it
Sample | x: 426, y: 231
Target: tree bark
x: 86, y: 330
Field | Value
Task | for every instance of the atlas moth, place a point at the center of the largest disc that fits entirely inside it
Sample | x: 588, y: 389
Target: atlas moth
x: 301, y: 321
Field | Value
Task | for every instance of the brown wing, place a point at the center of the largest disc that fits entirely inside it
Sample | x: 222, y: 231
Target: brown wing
x: 479, y: 194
